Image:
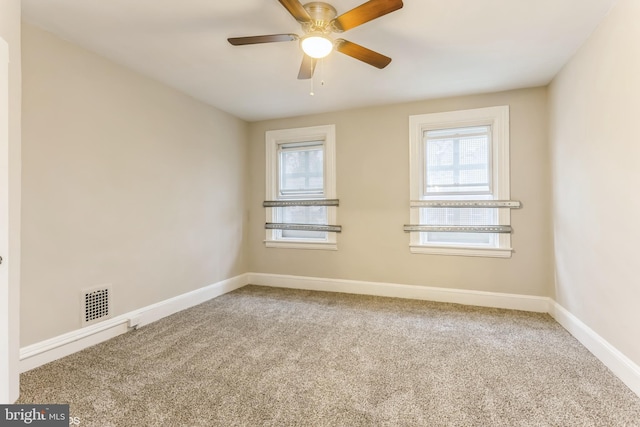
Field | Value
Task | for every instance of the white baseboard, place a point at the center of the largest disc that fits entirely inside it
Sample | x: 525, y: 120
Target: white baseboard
x: 457, y: 296
x: 611, y: 357
x: 55, y: 348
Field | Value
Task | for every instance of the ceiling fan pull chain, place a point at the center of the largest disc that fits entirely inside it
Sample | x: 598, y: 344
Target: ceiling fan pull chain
x: 311, y: 79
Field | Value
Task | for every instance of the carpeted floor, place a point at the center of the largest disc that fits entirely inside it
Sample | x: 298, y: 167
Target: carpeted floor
x: 275, y: 357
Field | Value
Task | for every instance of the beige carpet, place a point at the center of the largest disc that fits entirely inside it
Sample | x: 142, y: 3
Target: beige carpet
x: 273, y: 357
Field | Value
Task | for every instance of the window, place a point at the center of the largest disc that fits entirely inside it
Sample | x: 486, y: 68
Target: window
x: 301, y: 166
x: 460, y: 156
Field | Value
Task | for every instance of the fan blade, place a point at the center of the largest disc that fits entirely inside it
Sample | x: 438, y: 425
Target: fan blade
x: 296, y: 10
x: 364, y: 13
x: 307, y: 67
x: 239, y: 41
x: 361, y: 53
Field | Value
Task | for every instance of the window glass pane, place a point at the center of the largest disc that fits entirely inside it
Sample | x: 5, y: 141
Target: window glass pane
x: 459, y: 216
x: 457, y: 160
x: 301, y: 169
x: 304, y: 215
x: 480, y: 239
x: 308, y: 235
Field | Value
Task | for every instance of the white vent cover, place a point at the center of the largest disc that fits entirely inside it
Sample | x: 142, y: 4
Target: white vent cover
x: 96, y: 304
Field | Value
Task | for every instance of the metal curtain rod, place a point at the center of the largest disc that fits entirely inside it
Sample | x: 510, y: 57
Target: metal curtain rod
x: 300, y: 202
x: 303, y: 227
x: 459, y: 228
x: 512, y: 204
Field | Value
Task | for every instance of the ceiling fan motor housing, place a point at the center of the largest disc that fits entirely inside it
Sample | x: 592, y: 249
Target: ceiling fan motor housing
x: 321, y: 16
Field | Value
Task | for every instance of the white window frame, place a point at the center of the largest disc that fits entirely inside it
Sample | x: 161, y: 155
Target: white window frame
x: 275, y: 138
x: 496, y: 117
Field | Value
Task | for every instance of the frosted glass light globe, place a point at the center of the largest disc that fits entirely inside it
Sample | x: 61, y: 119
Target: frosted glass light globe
x: 316, y: 46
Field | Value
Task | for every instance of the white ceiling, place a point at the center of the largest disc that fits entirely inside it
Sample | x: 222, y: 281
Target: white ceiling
x: 439, y: 48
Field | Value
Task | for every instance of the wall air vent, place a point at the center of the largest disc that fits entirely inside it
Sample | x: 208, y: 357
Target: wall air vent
x: 96, y: 304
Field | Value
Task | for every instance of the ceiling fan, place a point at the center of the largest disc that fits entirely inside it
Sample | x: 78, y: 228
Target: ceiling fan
x: 319, y: 20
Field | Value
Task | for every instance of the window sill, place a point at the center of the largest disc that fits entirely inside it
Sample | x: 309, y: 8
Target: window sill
x: 301, y: 245
x: 457, y: 251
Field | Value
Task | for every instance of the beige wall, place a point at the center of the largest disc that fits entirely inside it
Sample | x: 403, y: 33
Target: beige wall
x: 373, y: 188
x: 594, y: 110
x: 125, y: 182
x: 10, y: 295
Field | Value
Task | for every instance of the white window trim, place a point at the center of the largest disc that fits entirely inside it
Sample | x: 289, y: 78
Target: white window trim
x: 273, y: 139
x: 498, y: 118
